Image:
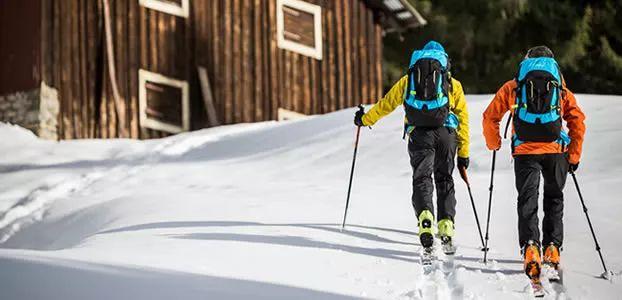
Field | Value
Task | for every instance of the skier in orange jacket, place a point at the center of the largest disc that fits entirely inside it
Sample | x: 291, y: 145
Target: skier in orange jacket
x: 538, y: 101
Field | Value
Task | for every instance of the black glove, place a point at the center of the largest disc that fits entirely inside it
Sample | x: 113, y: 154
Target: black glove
x: 463, y: 162
x: 573, y: 167
x: 358, y: 117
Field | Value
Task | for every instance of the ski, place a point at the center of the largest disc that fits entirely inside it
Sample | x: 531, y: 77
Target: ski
x: 429, y: 260
x: 449, y: 249
x: 555, y: 277
x: 449, y: 264
x: 552, y: 273
x: 448, y: 246
x: 533, y: 269
x: 538, y: 289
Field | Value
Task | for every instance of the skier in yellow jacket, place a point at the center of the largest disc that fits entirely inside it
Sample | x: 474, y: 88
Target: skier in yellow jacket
x: 437, y: 125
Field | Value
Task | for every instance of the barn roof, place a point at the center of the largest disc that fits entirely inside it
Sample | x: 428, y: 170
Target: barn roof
x: 399, y: 15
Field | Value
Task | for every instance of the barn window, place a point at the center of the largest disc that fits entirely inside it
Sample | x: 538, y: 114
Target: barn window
x: 163, y: 102
x: 299, y: 27
x: 179, y: 8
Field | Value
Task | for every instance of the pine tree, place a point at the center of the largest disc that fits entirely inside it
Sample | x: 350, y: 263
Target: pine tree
x: 486, y: 40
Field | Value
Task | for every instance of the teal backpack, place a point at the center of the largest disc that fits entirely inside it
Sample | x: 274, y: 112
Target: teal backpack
x: 426, y: 101
x: 537, y: 113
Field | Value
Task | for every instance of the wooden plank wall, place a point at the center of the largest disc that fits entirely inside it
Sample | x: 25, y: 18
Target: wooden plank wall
x: 74, y: 62
x: 234, y: 39
x: 252, y: 77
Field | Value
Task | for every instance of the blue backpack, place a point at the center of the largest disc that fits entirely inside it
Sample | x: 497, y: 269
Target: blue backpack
x: 537, y: 113
x: 426, y: 100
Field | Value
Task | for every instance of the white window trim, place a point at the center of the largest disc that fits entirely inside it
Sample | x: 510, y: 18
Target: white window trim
x: 145, y: 121
x: 169, y: 8
x: 316, y: 11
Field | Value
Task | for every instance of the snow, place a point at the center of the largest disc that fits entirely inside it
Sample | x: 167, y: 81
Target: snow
x: 254, y: 210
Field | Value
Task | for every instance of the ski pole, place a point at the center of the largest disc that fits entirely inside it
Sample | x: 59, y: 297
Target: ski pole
x: 463, y: 174
x: 356, y: 145
x: 492, y: 175
x: 589, y: 222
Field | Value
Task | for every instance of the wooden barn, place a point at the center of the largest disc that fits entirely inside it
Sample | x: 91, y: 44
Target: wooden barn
x: 147, y: 68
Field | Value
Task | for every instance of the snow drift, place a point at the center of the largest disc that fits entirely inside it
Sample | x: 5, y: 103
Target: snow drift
x: 254, y: 210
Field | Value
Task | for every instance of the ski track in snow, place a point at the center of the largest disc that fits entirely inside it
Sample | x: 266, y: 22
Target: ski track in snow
x: 442, y: 283
x: 32, y: 208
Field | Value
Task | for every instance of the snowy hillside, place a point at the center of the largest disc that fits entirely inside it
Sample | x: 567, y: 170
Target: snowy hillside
x: 253, y: 211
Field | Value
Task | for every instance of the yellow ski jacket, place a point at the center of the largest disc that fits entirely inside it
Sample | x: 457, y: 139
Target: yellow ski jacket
x: 457, y: 107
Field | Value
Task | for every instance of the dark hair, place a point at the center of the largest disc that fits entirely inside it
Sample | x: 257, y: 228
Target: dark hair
x: 539, y: 51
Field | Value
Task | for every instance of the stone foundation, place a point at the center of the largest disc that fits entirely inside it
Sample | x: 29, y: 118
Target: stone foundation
x: 36, y: 110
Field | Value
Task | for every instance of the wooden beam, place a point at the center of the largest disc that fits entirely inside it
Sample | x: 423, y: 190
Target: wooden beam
x: 119, y: 106
x: 208, y: 97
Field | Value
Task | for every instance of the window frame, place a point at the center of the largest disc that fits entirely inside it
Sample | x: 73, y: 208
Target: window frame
x: 167, y: 7
x: 145, y: 121
x: 316, y: 11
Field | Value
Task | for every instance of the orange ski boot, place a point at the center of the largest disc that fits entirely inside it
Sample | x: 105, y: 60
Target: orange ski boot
x: 551, y: 256
x: 531, y: 255
x: 551, y: 262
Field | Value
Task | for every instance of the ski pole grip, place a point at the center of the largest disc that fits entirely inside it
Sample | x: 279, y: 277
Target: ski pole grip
x: 362, y: 109
x: 463, y: 174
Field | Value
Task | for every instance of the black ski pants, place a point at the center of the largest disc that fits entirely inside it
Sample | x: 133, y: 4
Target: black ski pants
x: 432, y: 151
x: 554, y: 170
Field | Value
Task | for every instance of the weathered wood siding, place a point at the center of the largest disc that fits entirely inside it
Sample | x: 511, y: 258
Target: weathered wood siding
x: 235, y: 40
x: 252, y: 77
x: 75, y: 63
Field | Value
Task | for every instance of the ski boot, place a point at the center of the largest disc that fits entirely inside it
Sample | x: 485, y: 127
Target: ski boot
x: 426, y: 236
x: 446, y: 233
x: 532, y: 265
x: 551, y: 260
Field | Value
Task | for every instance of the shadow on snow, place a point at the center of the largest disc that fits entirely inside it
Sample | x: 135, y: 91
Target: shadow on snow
x: 64, y: 279
x: 289, y: 240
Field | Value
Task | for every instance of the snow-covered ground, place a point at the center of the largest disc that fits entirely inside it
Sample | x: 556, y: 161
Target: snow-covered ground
x: 254, y: 211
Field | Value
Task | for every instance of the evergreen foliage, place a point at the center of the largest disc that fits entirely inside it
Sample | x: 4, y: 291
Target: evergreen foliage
x: 487, y: 39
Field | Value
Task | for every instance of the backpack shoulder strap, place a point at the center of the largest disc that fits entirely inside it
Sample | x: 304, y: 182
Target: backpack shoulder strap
x: 517, y: 93
x: 450, y: 83
x: 409, y: 73
x: 513, y: 108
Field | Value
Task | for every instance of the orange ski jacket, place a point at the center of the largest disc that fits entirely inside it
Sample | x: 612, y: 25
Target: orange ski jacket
x: 505, y: 99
